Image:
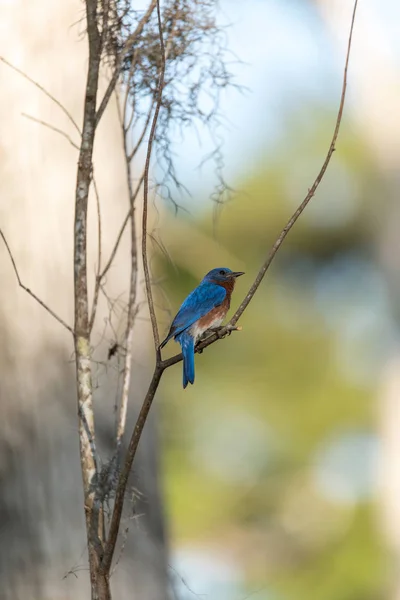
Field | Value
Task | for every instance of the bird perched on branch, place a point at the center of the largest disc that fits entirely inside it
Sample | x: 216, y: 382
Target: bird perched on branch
x: 203, y: 309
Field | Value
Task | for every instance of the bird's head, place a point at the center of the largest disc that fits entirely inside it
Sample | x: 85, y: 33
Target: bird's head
x: 222, y: 275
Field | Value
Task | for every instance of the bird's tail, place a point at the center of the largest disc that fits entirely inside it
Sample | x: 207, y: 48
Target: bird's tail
x: 187, y: 343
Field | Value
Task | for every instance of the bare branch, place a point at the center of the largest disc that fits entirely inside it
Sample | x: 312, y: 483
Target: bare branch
x: 124, y: 540
x: 42, y: 89
x: 28, y: 291
x: 123, y: 478
x: 128, y: 45
x: 123, y: 408
x: 87, y: 441
x: 146, y: 192
x: 231, y: 326
x: 52, y: 127
x: 161, y: 365
x: 141, y: 137
x: 132, y: 296
x: 127, y: 126
x: 311, y: 191
x: 121, y: 231
x: 105, y: 9
x: 150, y: 111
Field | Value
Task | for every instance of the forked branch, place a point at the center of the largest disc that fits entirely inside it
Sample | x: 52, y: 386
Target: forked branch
x: 162, y: 365
x: 43, y: 90
x: 123, y: 478
x: 53, y: 128
x: 280, y: 239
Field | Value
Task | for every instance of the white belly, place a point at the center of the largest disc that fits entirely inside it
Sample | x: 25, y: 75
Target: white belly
x: 198, y: 331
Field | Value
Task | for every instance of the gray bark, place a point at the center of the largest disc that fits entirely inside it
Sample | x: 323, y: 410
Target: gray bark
x: 41, y: 499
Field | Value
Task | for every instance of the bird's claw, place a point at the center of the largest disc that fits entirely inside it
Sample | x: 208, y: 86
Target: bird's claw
x: 220, y: 332
x: 223, y: 331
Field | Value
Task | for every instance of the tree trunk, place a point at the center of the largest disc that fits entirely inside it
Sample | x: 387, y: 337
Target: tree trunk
x: 43, y: 553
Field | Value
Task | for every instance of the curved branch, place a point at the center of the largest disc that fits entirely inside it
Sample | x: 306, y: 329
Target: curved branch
x: 280, y: 239
x: 162, y: 365
x: 159, y: 369
x: 149, y: 292
x: 246, y: 301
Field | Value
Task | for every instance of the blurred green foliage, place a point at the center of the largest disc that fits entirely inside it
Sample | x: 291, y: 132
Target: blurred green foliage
x: 242, y: 447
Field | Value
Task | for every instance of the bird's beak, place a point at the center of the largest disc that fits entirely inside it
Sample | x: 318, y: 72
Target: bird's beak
x: 237, y: 273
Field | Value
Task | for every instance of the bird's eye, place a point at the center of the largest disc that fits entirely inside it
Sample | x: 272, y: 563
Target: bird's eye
x: 222, y: 272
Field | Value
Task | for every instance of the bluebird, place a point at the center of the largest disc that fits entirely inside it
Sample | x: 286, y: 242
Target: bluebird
x: 203, y: 309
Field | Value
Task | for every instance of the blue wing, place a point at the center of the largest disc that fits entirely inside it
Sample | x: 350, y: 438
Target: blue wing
x: 199, y: 302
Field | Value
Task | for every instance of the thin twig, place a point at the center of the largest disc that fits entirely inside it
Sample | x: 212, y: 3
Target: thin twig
x: 149, y: 292
x: 132, y: 297
x: 123, y: 478
x: 99, y: 235
x: 105, y: 5
x: 127, y: 370
x: 141, y: 137
x: 121, y: 232
x: 28, y: 291
x: 161, y: 366
x: 125, y: 538
x: 247, y: 299
x: 42, y: 89
x: 52, y: 127
x: 171, y: 36
x: 231, y: 326
x: 128, y: 45
x: 127, y: 126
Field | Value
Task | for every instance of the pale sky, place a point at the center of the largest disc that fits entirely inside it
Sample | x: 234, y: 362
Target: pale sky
x: 288, y: 58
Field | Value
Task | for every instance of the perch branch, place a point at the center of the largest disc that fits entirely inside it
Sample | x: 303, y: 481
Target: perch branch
x: 280, y: 239
x: 162, y: 365
x: 311, y: 192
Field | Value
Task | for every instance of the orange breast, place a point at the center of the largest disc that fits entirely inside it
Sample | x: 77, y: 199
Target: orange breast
x: 215, y: 317
x: 212, y: 319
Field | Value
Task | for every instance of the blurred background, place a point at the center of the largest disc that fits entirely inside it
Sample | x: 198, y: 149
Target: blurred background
x: 276, y: 476
x: 281, y: 464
